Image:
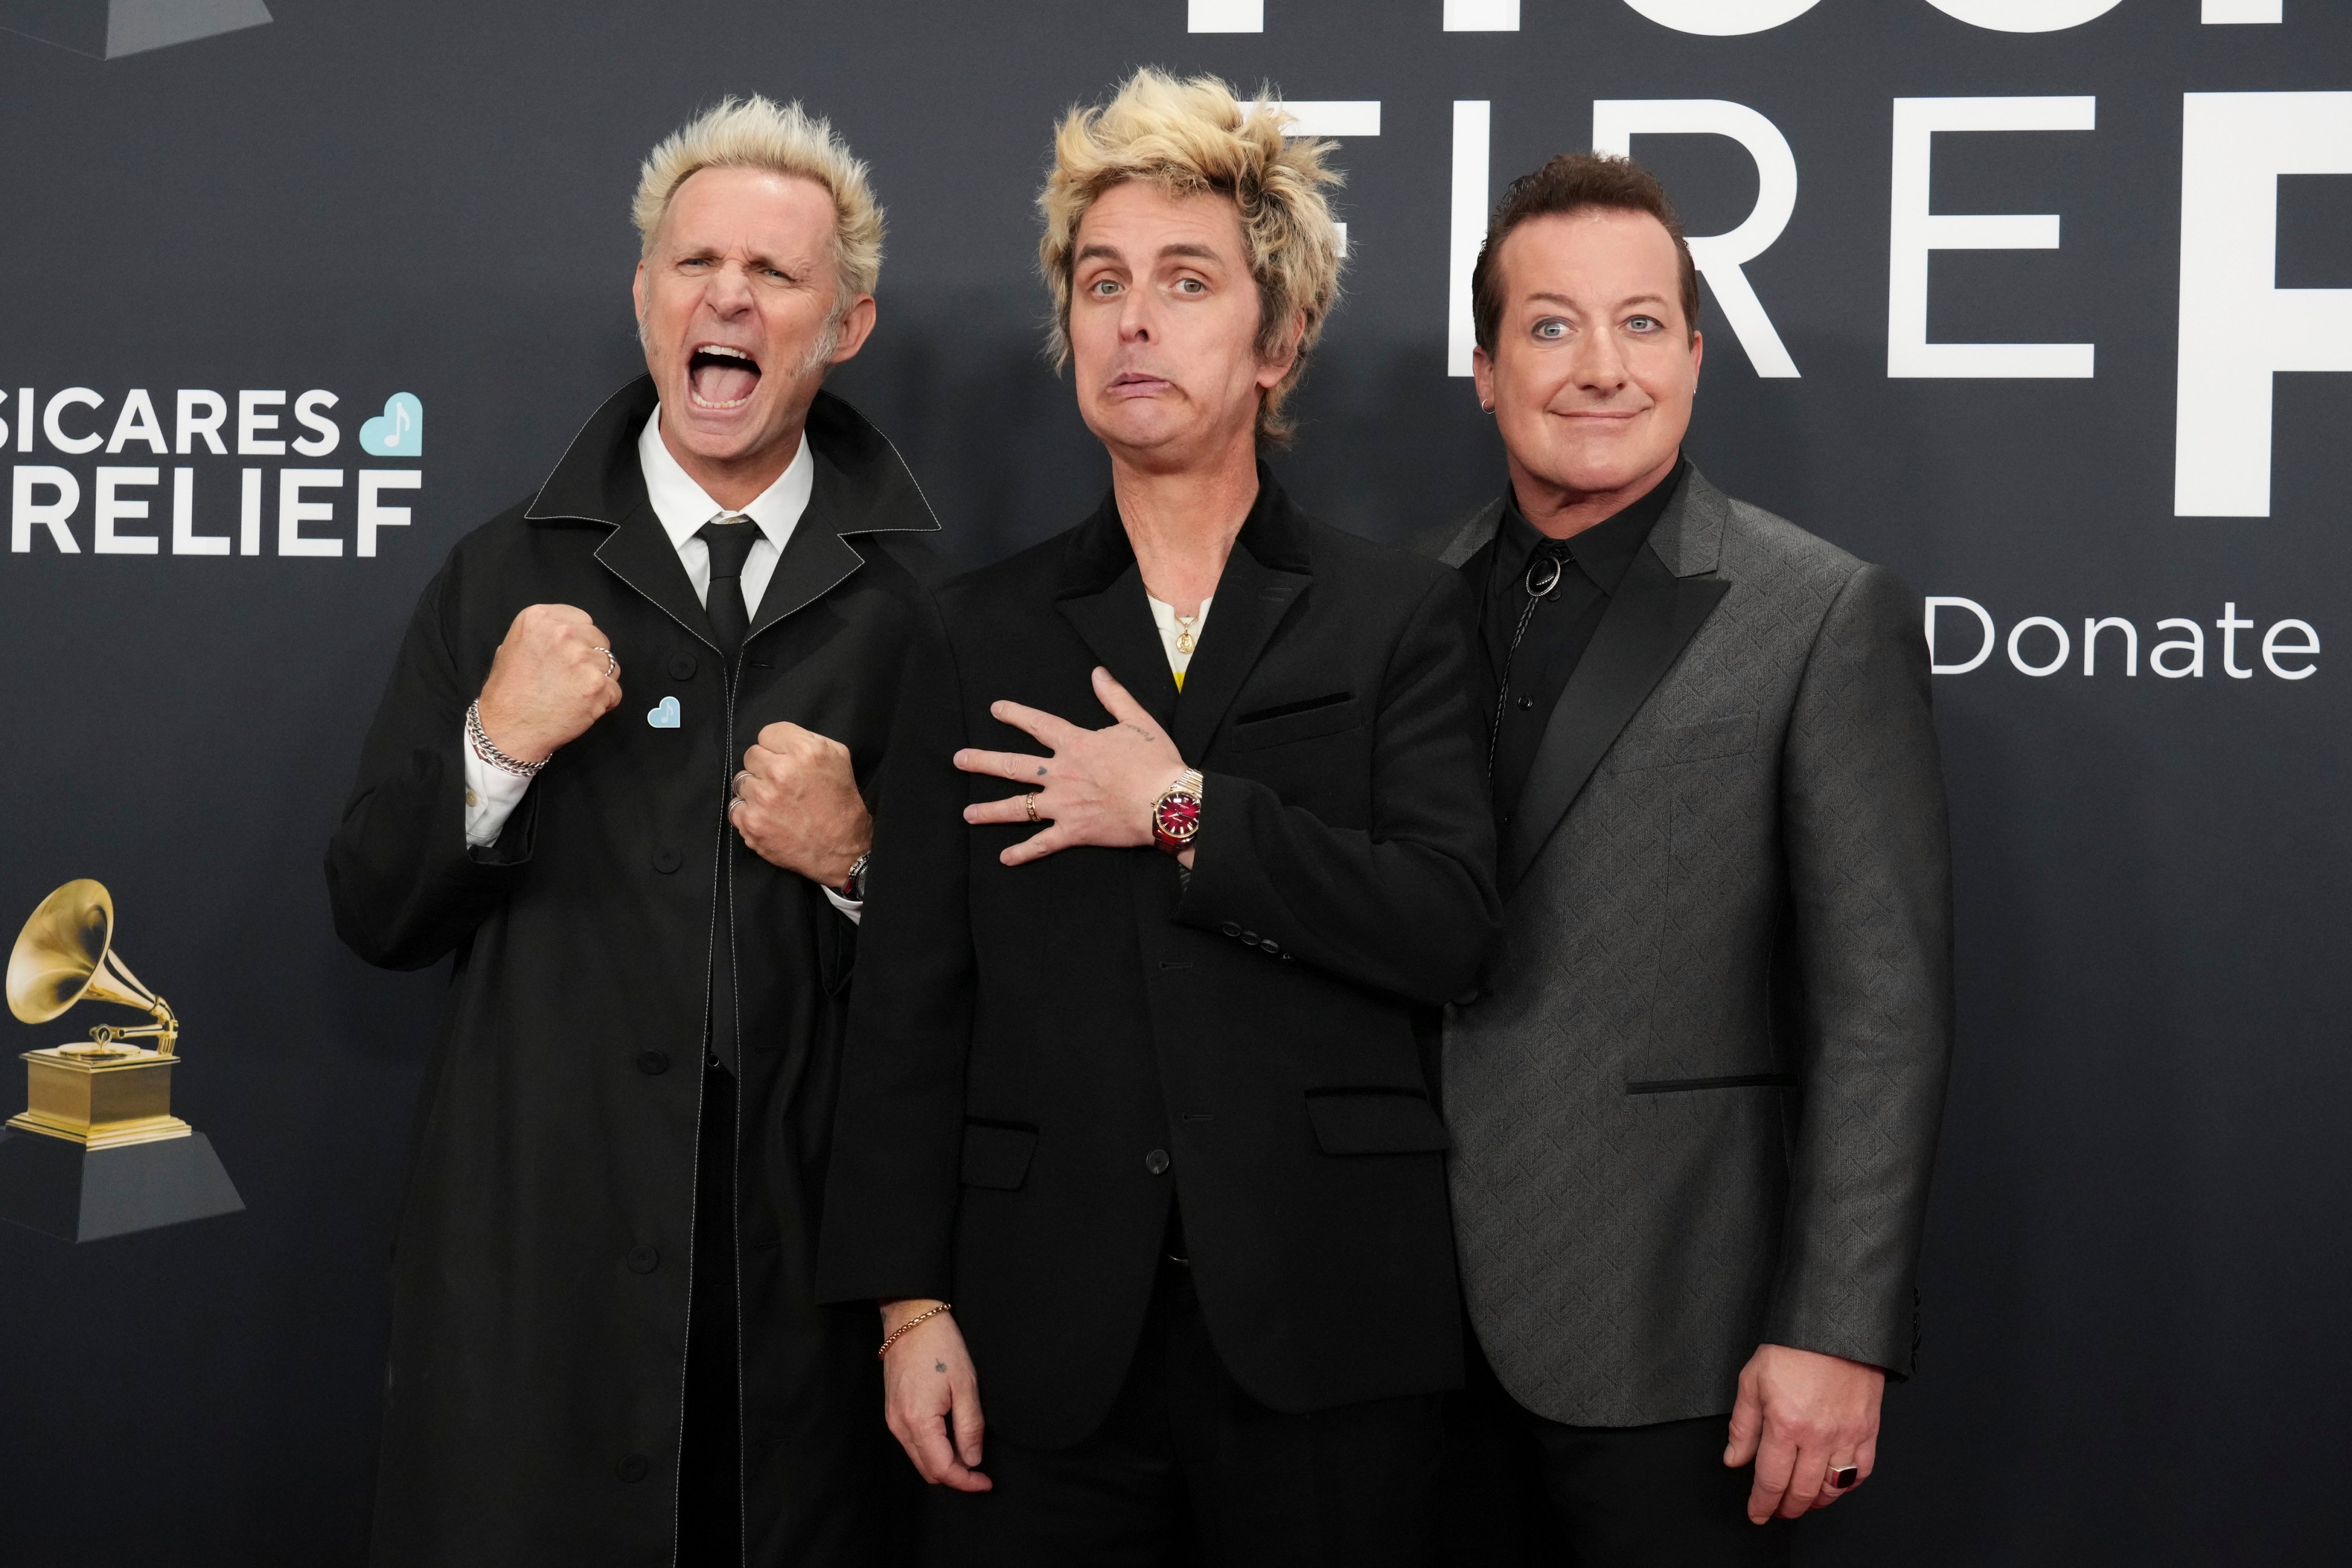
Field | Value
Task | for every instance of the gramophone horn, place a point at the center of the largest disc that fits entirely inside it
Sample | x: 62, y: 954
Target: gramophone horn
x: 65, y: 955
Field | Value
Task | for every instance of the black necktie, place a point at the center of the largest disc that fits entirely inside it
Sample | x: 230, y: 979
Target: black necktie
x: 731, y: 541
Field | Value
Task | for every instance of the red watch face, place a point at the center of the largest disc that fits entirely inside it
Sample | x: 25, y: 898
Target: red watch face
x: 1177, y: 817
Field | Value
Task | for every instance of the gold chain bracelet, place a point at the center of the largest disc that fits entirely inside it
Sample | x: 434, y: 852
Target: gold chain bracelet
x: 919, y: 1317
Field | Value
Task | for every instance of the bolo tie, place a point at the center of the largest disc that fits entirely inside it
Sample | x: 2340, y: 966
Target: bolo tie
x: 1541, y: 580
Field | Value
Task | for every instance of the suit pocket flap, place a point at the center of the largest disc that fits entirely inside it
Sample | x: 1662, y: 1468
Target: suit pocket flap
x: 1301, y: 721
x: 996, y: 1154
x: 1687, y: 742
x: 1376, y: 1122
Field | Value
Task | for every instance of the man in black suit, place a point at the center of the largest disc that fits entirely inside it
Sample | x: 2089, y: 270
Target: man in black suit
x: 1144, y: 1096
x: 1696, y: 1103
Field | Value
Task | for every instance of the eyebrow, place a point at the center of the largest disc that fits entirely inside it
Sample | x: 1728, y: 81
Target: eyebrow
x: 1634, y: 299
x: 1106, y: 252
x: 711, y: 252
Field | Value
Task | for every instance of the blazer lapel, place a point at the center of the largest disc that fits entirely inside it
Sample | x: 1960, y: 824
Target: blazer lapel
x: 598, y: 481
x: 1252, y: 599
x: 815, y: 558
x: 1101, y: 597
x: 639, y: 553
x: 1465, y: 541
x: 1657, y: 610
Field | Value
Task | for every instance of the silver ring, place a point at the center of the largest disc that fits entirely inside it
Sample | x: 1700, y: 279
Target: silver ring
x: 611, y: 665
x: 1844, y: 1475
x: 735, y: 785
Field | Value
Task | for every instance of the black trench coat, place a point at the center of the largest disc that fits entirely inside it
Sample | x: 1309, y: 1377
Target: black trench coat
x: 543, y: 1260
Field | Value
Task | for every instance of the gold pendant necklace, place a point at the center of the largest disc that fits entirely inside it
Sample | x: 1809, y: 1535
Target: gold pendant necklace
x: 1183, y: 630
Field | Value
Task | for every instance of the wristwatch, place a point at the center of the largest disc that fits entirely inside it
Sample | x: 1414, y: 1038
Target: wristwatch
x: 1176, y: 815
x: 853, y: 886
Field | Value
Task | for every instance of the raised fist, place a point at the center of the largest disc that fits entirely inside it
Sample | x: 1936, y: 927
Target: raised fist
x: 551, y: 680
x: 796, y: 804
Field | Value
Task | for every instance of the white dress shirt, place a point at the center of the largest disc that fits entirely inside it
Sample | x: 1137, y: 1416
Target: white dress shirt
x: 682, y: 508
x: 1163, y: 616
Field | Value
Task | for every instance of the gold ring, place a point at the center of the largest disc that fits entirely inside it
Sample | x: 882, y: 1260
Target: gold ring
x: 1029, y: 803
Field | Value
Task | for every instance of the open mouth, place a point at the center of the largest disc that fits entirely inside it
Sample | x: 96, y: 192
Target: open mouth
x: 719, y: 376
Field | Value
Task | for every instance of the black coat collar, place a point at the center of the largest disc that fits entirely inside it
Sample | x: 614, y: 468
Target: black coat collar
x: 862, y: 486
x: 1101, y: 594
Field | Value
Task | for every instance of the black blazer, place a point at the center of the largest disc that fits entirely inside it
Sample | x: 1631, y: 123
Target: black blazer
x: 1063, y: 1048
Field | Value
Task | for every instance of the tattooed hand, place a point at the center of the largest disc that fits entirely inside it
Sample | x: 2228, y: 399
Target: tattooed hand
x: 935, y: 1413
x: 1096, y: 788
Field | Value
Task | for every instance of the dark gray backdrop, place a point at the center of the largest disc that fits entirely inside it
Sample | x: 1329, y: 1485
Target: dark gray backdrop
x: 2137, y: 1268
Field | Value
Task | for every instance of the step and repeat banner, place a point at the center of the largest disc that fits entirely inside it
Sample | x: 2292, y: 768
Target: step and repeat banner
x: 2047, y: 304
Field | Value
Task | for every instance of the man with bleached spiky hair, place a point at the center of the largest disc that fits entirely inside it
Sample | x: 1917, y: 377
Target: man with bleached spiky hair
x: 1139, y: 1148
x: 619, y: 773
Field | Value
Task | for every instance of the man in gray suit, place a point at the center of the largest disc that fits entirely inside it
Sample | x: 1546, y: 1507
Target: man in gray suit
x: 1696, y: 1101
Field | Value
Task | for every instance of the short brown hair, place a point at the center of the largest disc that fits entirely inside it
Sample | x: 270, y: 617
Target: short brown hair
x: 1193, y: 137
x: 1571, y: 182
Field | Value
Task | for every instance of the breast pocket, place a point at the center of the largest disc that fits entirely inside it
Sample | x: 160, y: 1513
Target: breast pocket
x: 1677, y: 743
x: 1281, y: 723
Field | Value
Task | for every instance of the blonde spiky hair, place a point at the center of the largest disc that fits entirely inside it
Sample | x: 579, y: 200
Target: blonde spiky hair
x: 1190, y: 138
x: 756, y: 133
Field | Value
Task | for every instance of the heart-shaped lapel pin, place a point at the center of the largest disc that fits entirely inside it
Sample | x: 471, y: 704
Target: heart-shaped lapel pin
x: 664, y: 715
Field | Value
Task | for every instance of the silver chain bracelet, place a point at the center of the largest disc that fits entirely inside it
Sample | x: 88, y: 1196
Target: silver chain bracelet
x: 490, y: 754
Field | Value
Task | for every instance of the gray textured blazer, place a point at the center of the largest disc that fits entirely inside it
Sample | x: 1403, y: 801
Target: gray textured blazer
x: 1694, y: 1103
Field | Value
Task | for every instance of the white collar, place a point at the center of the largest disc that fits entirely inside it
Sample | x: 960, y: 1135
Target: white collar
x: 683, y: 505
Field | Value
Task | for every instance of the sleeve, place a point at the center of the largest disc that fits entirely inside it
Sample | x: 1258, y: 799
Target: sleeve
x: 1869, y: 869
x: 405, y: 885
x: 1409, y: 904
x: 891, y: 1187
x: 492, y: 794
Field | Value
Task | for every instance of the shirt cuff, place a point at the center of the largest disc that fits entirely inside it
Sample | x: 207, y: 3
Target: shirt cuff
x: 491, y: 795
x: 853, y: 908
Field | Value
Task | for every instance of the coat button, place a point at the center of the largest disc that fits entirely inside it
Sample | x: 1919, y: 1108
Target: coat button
x: 653, y: 1063
x: 667, y: 861
x: 644, y: 1260
x: 1249, y: 938
x: 1231, y: 928
x: 1156, y: 1161
x: 1270, y: 946
x: 1525, y: 703
x: 634, y: 1468
x: 681, y: 667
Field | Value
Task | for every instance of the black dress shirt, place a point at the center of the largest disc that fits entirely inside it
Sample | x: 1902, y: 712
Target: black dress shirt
x: 1528, y: 678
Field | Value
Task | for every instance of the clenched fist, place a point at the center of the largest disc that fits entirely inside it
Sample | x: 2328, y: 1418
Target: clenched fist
x: 549, y: 682
x: 796, y: 804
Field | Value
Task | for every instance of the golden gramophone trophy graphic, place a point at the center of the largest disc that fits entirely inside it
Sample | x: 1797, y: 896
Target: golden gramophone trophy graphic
x: 96, y: 1151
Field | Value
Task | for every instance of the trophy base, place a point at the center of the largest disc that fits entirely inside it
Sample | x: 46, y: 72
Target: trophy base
x: 62, y: 1187
x: 98, y: 1094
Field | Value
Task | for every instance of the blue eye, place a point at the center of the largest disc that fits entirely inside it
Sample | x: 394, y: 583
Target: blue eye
x: 1645, y: 323
x: 1551, y: 327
